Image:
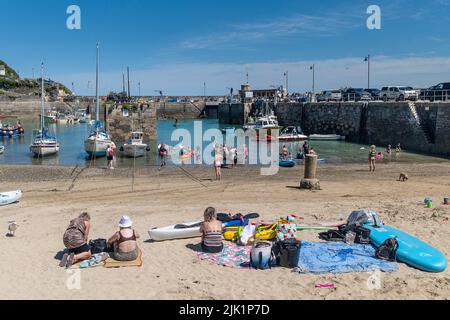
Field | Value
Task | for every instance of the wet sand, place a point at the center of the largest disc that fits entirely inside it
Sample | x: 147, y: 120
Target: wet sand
x: 55, y: 195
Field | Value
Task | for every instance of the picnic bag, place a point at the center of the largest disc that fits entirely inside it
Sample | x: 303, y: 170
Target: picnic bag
x: 286, y: 229
x: 261, y: 255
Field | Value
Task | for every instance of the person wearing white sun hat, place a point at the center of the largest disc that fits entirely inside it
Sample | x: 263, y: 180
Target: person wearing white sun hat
x: 124, y: 241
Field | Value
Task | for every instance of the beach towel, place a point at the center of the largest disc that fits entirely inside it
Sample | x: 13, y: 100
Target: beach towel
x: 330, y: 257
x: 232, y: 256
x: 111, y: 263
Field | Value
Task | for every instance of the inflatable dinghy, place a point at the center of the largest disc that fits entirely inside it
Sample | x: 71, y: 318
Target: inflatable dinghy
x: 10, y: 197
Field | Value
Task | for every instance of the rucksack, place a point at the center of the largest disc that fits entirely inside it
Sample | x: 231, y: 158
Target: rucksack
x: 286, y: 251
x: 98, y: 246
x: 388, y: 250
x: 362, y: 234
x: 261, y: 255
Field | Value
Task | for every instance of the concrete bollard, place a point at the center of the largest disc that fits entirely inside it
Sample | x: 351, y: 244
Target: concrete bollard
x: 310, y: 182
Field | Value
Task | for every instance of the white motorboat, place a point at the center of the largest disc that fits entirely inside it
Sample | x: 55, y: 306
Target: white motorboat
x: 268, y: 123
x: 2, y: 149
x: 292, y: 134
x: 326, y: 137
x: 135, y: 147
x: 44, y: 144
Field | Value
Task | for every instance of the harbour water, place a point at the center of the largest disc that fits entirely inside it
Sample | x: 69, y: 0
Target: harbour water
x: 71, y: 138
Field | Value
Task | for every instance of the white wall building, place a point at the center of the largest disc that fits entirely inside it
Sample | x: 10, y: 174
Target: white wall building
x: 2, y: 70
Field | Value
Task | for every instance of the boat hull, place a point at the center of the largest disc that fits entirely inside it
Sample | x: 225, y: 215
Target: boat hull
x: 135, y: 150
x: 96, y: 147
x: 332, y: 137
x: 293, y: 138
x: 43, y: 150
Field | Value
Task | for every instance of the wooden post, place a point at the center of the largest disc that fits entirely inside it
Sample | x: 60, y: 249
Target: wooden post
x: 310, y: 181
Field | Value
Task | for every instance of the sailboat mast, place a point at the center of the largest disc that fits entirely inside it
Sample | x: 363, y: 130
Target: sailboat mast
x: 42, y: 98
x: 97, y: 108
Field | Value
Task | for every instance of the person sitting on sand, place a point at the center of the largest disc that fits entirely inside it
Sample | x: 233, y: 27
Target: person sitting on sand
x: 75, y: 239
x: 211, y: 230
x: 123, y: 242
x: 372, y: 158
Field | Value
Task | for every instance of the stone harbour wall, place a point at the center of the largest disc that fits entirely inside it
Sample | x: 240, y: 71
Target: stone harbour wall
x: 120, y: 127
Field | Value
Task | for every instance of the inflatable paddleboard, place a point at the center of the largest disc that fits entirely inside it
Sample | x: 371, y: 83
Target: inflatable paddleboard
x: 411, y: 251
x: 10, y: 197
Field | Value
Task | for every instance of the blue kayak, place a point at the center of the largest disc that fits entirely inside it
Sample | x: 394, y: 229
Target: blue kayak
x: 411, y: 250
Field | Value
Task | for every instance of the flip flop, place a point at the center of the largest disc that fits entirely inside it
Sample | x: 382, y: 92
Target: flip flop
x: 63, y: 262
x: 252, y: 216
x: 70, y: 261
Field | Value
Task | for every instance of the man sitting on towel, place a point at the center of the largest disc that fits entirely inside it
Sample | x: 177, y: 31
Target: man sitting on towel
x: 124, y: 241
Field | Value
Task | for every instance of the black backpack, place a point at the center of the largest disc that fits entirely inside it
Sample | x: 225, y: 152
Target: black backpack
x: 388, y: 250
x: 362, y: 234
x: 286, y: 251
x: 98, y: 246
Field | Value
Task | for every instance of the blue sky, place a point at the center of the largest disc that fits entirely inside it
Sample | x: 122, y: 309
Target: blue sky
x: 177, y: 45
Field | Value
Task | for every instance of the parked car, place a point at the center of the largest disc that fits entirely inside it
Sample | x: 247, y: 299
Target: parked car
x: 356, y: 94
x: 398, y: 93
x: 330, y: 95
x: 440, y: 92
x: 375, y: 93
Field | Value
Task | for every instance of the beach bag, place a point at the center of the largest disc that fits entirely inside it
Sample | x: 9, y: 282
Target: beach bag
x: 261, y: 255
x: 285, y: 252
x: 98, y: 246
x: 388, y: 250
x: 286, y: 230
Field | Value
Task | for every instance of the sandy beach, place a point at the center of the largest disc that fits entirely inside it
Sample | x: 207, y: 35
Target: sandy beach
x: 55, y: 195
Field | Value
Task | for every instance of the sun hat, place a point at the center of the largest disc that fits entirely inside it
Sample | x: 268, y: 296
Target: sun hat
x: 125, y: 222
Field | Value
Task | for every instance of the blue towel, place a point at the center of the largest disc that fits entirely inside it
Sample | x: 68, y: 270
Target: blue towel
x: 331, y: 257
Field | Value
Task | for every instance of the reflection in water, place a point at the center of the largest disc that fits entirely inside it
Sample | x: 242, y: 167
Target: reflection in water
x: 71, y: 139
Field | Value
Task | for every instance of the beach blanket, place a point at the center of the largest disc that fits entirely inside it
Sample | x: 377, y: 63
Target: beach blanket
x: 232, y: 256
x: 322, y: 258
x: 111, y: 263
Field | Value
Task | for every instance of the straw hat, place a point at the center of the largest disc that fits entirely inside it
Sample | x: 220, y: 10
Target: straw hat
x: 125, y: 222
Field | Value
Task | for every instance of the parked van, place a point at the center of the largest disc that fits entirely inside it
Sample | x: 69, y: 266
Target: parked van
x: 398, y: 93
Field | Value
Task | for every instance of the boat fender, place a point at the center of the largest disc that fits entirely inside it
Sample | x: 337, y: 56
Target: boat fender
x: 121, y: 149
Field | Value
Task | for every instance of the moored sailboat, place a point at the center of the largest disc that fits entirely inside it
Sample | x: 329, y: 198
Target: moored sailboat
x: 44, y: 144
x: 98, y: 140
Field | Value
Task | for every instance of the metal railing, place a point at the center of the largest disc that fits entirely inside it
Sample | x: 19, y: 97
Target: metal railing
x: 435, y: 95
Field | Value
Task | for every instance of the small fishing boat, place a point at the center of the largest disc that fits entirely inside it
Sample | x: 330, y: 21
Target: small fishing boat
x: 326, y: 137
x: 292, y: 134
x: 44, y: 144
x: 135, y: 147
x: 267, y: 123
x: 10, y: 197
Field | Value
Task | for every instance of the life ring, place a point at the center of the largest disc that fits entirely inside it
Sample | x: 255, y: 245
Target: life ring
x: 147, y: 149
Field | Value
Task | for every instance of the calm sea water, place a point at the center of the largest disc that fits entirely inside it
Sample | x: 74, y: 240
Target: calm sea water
x: 71, y: 138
